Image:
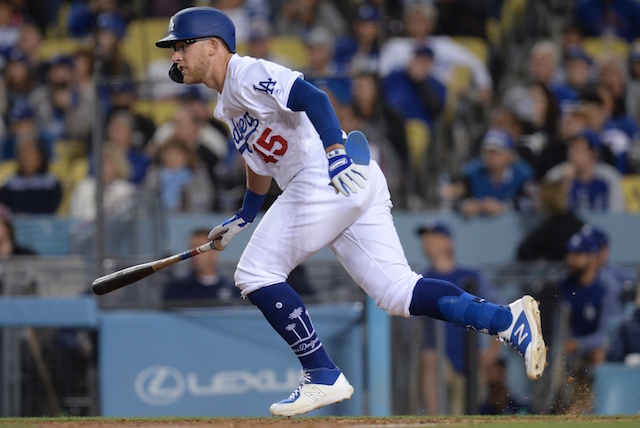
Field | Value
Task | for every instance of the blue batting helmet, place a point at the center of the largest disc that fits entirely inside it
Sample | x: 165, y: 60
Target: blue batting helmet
x: 199, y: 22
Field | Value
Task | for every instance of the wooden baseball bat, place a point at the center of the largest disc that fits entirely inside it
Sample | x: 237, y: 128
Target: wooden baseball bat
x: 113, y: 281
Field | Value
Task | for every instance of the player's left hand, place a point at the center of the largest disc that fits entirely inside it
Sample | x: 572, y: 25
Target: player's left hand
x: 222, y: 233
x: 345, y: 175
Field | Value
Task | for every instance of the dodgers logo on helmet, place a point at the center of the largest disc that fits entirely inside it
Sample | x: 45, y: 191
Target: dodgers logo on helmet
x: 199, y: 22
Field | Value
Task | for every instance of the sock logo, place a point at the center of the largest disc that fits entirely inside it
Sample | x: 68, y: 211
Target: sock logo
x: 306, y: 341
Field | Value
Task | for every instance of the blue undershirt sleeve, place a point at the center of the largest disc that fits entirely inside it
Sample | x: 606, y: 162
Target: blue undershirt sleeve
x: 315, y: 103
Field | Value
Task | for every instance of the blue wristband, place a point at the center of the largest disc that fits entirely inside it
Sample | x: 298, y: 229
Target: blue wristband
x: 251, y: 205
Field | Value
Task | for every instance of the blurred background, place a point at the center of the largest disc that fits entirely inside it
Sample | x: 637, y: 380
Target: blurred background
x: 508, y: 132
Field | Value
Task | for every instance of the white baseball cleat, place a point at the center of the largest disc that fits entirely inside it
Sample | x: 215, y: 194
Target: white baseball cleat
x: 525, y: 335
x: 318, y: 388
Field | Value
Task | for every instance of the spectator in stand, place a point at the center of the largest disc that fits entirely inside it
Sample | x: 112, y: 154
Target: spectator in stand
x: 438, y: 247
x: 548, y: 241
x: 258, y: 44
x: 83, y: 77
x: 29, y: 44
x: 618, y: 135
x: 121, y: 134
x: 204, y: 285
x: 382, y: 121
x: 9, y: 26
x: 572, y: 120
x: 497, y: 181
x: 414, y: 91
x: 624, y: 345
x: 500, y: 400
x: 592, y: 310
x: 208, y: 144
x: 544, y: 142
x: 543, y: 63
x: 62, y: 109
x: 420, y: 21
x: 83, y: 62
x: 110, y: 30
x: 83, y: 15
x: 298, y: 17
x: 180, y: 179
x: 360, y: 51
x: 322, y: 71
x: 19, y: 79
x: 622, y: 279
x: 8, y: 245
x: 32, y: 190
x: 528, y: 115
x: 22, y: 124
x: 633, y: 88
x: 594, y: 185
x: 577, y: 68
x: 609, y: 17
x: 118, y: 193
x: 122, y: 98
x: 621, y: 133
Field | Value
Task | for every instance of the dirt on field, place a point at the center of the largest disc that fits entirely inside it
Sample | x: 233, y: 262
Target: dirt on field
x: 305, y: 422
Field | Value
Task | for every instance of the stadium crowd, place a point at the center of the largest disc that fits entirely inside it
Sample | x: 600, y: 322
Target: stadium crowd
x: 468, y: 106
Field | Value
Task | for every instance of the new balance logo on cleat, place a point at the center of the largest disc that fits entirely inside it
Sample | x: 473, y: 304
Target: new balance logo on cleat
x: 521, y: 332
x: 318, y: 388
x: 525, y: 335
x: 315, y: 394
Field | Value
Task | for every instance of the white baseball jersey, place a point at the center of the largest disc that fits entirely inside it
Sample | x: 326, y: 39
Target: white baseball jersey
x: 309, y: 215
x: 273, y: 140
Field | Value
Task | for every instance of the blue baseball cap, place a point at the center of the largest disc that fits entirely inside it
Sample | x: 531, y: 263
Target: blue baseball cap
x: 591, y: 138
x: 21, y: 110
x: 578, y: 53
x: 599, y: 236
x: 435, y: 227
x: 64, y: 60
x: 498, y: 140
x: 582, y: 242
x: 423, y: 50
x: 17, y: 55
x: 367, y: 12
x: 111, y: 22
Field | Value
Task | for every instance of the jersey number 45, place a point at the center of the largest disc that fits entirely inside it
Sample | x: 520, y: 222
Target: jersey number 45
x: 269, y: 154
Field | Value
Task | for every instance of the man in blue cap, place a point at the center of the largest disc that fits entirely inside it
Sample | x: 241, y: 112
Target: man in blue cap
x: 497, y: 181
x: 592, y: 308
x: 620, y: 280
x: 593, y: 185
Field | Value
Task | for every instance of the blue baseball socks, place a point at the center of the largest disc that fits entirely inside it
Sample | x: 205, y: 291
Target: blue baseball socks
x: 445, y: 301
x: 286, y: 313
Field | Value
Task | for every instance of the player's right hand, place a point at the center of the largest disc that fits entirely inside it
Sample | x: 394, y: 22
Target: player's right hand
x: 222, y: 233
x: 345, y: 175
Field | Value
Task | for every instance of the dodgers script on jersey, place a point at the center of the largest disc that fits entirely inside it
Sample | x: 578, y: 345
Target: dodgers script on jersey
x: 253, y: 103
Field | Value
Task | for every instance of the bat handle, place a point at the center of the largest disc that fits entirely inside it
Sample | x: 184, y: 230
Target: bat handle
x: 197, y: 250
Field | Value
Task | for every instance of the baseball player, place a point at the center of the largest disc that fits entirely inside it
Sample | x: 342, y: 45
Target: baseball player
x: 285, y: 129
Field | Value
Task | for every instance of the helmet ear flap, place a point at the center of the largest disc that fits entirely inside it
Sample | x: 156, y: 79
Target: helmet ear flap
x: 175, y: 74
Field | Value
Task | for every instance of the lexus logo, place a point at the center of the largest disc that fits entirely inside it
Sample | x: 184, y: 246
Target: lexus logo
x: 159, y: 385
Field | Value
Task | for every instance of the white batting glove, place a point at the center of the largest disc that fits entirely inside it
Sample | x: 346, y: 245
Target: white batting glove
x: 345, y: 175
x: 222, y: 233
